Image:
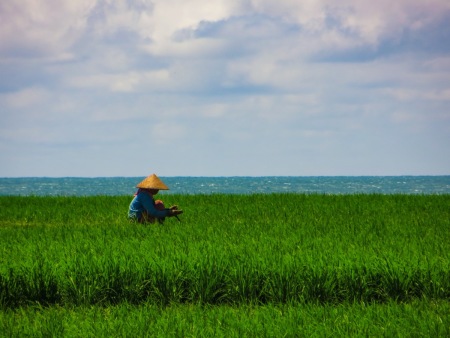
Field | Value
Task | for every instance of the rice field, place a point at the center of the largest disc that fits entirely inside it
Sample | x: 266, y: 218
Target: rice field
x: 236, y: 265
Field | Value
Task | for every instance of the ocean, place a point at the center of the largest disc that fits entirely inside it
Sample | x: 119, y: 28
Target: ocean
x: 78, y: 186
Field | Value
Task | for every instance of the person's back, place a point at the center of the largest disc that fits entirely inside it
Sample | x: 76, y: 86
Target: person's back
x: 144, y: 209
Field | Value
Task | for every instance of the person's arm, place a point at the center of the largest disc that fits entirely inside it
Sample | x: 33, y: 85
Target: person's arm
x: 147, y: 202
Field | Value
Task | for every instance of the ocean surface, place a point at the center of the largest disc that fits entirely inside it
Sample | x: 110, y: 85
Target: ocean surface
x: 77, y: 186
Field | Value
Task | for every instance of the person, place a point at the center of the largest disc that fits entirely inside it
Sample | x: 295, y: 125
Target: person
x: 144, y: 209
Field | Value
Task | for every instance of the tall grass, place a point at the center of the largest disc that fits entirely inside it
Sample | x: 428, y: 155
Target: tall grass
x: 415, y: 319
x: 228, y: 249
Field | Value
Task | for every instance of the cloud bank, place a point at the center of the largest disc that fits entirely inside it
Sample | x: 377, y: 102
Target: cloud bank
x: 241, y: 87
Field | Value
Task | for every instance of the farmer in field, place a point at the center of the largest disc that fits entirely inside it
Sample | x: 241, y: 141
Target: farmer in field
x: 144, y: 208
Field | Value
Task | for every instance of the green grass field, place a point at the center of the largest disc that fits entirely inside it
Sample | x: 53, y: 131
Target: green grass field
x: 237, y: 265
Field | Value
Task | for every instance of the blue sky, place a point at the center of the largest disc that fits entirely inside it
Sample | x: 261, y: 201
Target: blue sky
x: 224, y: 88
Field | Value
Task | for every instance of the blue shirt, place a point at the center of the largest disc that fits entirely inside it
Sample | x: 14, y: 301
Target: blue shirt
x: 143, y: 201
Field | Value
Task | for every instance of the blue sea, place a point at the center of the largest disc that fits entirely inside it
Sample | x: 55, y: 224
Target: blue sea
x: 77, y: 186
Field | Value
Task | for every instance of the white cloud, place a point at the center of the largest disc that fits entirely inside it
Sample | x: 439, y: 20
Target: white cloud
x: 46, y: 28
x: 166, y: 132
x: 249, y: 80
x: 25, y: 98
x: 196, y: 48
x: 54, y: 26
x: 171, y: 16
x: 123, y: 82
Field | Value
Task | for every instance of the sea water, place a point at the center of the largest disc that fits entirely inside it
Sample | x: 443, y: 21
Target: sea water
x: 77, y: 186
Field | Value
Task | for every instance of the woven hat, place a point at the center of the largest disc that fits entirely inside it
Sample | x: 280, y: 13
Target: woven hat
x: 152, y: 182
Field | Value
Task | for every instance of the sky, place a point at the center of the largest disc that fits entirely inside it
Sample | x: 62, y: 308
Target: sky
x: 101, y: 88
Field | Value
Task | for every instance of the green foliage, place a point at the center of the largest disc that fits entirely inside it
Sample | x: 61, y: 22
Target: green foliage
x: 236, y: 265
x: 393, y: 319
x: 228, y: 249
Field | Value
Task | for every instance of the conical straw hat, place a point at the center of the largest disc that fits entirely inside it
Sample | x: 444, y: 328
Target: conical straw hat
x: 152, y: 182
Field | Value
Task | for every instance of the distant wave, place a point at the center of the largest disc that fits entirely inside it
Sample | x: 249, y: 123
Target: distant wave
x: 78, y: 186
